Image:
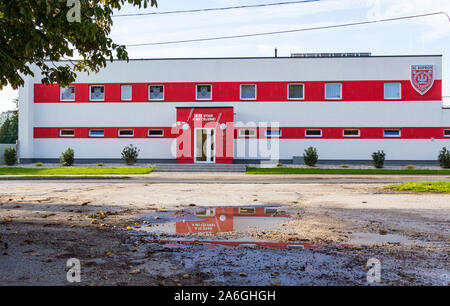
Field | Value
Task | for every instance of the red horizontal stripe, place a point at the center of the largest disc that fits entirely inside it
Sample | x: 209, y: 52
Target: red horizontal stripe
x: 286, y: 132
x: 230, y: 91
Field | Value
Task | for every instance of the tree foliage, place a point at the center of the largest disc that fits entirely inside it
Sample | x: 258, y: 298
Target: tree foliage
x: 39, y: 32
x: 9, y: 130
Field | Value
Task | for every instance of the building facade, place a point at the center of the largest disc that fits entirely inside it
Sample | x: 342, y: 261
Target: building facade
x: 241, y: 110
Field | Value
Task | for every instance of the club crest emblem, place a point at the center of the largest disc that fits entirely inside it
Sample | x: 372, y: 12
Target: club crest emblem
x: 422, y: 78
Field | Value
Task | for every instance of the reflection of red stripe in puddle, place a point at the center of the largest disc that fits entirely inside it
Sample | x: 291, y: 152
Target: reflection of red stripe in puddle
x: 274, y: 245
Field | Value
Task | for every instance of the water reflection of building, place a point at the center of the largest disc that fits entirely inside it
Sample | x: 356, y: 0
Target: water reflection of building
x: 215, y: 220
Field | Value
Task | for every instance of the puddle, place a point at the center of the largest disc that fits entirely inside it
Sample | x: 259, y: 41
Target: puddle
x: 376, y: 238
x: 232, y: 226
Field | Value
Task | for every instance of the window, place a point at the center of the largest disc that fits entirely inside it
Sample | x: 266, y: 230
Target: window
x: 96, y: 133
x: 247, y: 133
x: 67, y: 93
x: 313, y: 133
x: 247, y: 210
x: 248, y: 92
x: 155, y: 133
x: 447, y: 133
x: 296, y: 91
x: 273, y: 133
x: 67, y: 132
x: 333, y: 91
x: 97, y: 93
x: 392, y: 91
x: 205, y: 212
x: 125, y: 92
x: 203, y: 92
x: 156, y: 92
x: 270, y: 210
x: 351, y: 133
x: 126, y: 133
x: 392, y: 133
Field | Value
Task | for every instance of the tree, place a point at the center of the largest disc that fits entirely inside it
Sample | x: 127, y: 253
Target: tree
x: 9, y: 130
x: 42, y: 32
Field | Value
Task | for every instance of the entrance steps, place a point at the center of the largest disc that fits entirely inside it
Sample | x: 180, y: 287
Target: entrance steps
x: 199, y: 168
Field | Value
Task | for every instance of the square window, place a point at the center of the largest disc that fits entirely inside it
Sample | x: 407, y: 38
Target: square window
x: 313, y: 133
x: 126, y: 92
x: 155, y: 133
x: 296, y: 91
x: 447, y: 133
x: 96, y: 133
x: 333, y: 91
x: 67, y: 132
x: 203, y: 92
x: 67, y: 93
x: 351, y: 133
x: 156, y: 92
x: 248, y: 92
x: 247, y: 133
x: 392, y: 91
x: 126, y: 133
x: 97, y: 93
x: 392, y: 133
x: 273, y: 133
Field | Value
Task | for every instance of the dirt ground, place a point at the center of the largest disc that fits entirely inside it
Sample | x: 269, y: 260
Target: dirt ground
x: 43, y: 224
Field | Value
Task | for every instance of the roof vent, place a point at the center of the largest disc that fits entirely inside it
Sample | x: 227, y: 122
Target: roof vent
x: 359, y: 54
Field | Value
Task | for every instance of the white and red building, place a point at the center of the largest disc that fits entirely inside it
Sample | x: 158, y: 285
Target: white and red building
x: 235, y: 110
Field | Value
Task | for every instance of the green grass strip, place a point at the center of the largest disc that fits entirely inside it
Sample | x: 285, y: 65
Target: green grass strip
x: 73, y: 171
x: 442, y: 187
x: 345, y: 171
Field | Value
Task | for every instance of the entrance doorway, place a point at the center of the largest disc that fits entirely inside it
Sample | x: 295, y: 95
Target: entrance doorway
x: 204, y: 151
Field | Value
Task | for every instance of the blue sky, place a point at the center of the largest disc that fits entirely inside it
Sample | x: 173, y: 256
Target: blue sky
x: 429, y: 35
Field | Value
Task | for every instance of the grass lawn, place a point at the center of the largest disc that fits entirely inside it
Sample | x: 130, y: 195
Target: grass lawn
x: 421, y: 187
x: 73, y: 171
x: 343, y: 171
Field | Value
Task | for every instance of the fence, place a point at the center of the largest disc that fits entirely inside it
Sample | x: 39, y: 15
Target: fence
x: 3, y: 146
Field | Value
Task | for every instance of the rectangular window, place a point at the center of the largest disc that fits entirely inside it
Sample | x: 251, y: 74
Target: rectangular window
x: 351, y: 133
x: 270, y: 210
x: 247, y: 133
x: 67, y: 93
x: 333, y: 91
x: 247, y: 210
x: 447, y: 133
x: 273, y: 133
x: 296, y: 91
x: 248, y: 92
x: 126, y: 133
x: 96, y: 133
x: 155, y: 133
x: 392, y: 133
x: 156, y: 92
x: 97, y: 93
x: 392, y: 91
x: 313, y: 133
x: 67, y: 132
x: 125, y: 92
x: 203, y: 92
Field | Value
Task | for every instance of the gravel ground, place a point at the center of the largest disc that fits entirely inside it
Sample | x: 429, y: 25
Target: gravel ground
x: 44, y: 224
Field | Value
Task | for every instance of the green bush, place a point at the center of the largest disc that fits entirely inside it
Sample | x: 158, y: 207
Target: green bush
x: 100, y: 164
x: 410, y: 167
x: 67, y: 157
x: 38, y: 164
x: 444, y: 158
x: 130, y: 154
x: 345, y: 166
x: 310, y: 157
x: 279, y: 165
x: 378, y: 159
x: 10, y: 156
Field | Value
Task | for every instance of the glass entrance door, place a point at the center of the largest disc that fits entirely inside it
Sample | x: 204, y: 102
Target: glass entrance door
x: 204, y: 145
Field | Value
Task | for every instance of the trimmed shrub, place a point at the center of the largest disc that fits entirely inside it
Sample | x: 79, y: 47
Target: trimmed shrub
x: 378, y: 159
x: 10, y: 156
x: 444, y: 158
x: 100, y: 164
x: 279, y: 165
x: 310, y: 157
x: 130, y: 154
x: 38, y: 164
x: 410, y: 167
x: 67, y: 157
x: 345, y: 166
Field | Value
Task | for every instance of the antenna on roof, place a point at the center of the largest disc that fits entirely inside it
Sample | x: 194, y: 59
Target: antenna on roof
x: 276, y: 52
